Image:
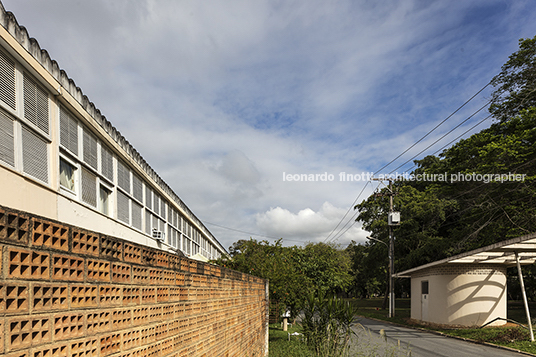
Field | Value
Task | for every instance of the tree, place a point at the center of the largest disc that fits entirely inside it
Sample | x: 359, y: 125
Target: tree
x: 516, y: 83
x: 293, y: 271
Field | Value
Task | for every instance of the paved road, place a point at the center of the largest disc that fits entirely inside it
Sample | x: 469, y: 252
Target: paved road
x: 417, y: 343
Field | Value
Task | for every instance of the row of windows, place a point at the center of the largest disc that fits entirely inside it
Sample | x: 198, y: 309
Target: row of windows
x: 88, y: 170
x: 135, y: 199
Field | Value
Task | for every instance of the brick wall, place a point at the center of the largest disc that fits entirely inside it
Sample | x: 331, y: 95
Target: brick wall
x: 70, y: 292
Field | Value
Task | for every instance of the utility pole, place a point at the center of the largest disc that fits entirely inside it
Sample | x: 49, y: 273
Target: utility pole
x: 393, y: 220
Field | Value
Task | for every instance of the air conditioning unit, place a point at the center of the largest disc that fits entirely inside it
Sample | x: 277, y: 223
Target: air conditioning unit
x: 158, y: 235
x: 394, y: 218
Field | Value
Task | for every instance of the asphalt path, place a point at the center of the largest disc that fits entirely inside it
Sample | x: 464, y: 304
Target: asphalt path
x: 376, y: 338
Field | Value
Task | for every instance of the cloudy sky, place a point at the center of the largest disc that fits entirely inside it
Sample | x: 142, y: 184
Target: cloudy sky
x: 225, y: 98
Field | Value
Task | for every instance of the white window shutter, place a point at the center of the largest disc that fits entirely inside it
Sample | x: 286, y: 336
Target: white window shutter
x: 34, y: 155
x: 90, y: 149
x: 7, y: 144
x: 35, y: 103
x: 7, y: 78
x: 89, y: 187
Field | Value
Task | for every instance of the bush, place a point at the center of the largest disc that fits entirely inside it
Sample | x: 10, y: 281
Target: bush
x: 327, y: 325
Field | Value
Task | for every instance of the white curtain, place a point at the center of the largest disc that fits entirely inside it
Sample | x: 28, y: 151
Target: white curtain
x: 67, y: 175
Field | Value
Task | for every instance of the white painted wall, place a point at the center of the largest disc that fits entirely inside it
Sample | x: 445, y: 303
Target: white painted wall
x: 473, y: 297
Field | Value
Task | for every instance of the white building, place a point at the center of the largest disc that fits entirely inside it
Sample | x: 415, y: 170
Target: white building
x: 469, y: 289
x: 61, y: 159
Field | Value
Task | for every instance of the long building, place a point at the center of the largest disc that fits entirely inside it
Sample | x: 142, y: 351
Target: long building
x: 61, y: 158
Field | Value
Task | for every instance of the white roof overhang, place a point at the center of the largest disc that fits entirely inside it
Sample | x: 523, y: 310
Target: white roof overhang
x: 502, y: 253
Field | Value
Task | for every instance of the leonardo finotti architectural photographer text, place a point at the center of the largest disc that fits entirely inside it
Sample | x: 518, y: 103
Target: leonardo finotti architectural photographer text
x: 367, y: 176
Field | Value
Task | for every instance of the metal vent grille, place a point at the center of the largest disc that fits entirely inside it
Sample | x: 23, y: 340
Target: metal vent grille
x: 107, y: 163
x: 90, y: 149
x: 137, y: 188
x: 89, y: 187
x: 68, y: 131
x: 148, y: 197
x: 122, y: 207
x: 7, y: 78
x: 136, y: 215
x: 123, y: 176
x: 35, y: 103
x: 148, y: 222
x: 34, y: 155
x: 7, y: 144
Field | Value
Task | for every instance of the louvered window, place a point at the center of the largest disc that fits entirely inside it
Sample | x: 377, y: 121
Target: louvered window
x: 107, y: 163
x: 156, y: 204
x: 7, y: 144
x: 123, y: 176
x: 137, y: 188
x: 90, y: 149
x: 148, y: 197
x: 136, y: 215
x: 123, y: 207
x: 89, y: 187
x: 68, y: 131
x: 35, y: 103
x: 7, y: 78
x: 148, y: 216
x: 162, y: 208
x: 34, y: 155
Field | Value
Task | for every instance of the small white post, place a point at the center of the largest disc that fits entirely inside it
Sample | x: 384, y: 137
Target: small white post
x: 524, y: 296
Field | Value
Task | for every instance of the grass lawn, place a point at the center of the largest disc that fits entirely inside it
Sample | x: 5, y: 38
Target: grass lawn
x: 280, y: 346
x: 509, y: 336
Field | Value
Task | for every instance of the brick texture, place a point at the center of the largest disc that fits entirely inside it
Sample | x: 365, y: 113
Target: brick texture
x: 65, y: 291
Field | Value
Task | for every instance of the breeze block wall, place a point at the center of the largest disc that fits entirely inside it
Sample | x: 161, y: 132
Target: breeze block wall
x: 65, y: 291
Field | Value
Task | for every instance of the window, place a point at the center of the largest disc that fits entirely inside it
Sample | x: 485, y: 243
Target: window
x: 148, y: 197
x: 424, y: 287
x: 34, y: 155
x: 148, y: 218
x: 104, y: 200
x: 90, y: 149
x: 7, y: 144
x: 137, y: 210
x: 107, y: 163
x: 68, y: 131
x: 89, y: 187
x: 123, y: 203
x: 7, y: 78
x: 35, y: 103
x: 67, y: 175
x: 123, y: 176
x: 137, y: 188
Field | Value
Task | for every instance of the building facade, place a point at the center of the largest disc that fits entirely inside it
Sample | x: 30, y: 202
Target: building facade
x: 61, y: 158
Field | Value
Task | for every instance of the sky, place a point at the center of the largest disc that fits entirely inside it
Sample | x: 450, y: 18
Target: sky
x: 229, y: 100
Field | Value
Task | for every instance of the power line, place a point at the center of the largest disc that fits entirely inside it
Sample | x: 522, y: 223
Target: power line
x: 444, y: 135
x: 338, y: 235
x: 437, y: 126
x: 253, y: 234
x: 348, y: 211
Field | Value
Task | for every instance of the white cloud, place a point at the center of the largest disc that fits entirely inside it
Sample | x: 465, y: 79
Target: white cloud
x: 308, y: 225
x: 222, y: 97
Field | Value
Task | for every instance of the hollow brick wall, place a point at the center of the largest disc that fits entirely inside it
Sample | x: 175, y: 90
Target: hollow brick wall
x: 70, y: 292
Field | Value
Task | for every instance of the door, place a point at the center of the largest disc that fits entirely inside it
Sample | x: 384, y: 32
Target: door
x: 424, y: 300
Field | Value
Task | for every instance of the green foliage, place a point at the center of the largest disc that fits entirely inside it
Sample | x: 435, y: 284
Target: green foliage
x: 281, y: 345
x: 516, y: 84
x: 327, y: 325
x: 293, y: 272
